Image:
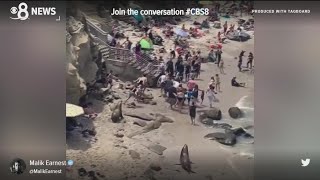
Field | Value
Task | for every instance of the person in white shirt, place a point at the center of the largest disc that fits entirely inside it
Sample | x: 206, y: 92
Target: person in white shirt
x: 211, y: 95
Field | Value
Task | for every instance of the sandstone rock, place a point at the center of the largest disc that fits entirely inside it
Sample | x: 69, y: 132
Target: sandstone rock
x: 116, y: 96
x: 134, y: 154
x: 158, y: 149
x: 213, y: 113
x: 142, y: 116
x: 155, y: 167
x: 235, y: 112
x: 140, y: 123
x: 119, y: 135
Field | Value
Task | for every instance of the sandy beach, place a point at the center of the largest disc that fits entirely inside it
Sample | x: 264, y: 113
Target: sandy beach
x: 110, y: 154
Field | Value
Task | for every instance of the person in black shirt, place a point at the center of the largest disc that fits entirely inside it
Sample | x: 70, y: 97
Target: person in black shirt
x: 151, y: 36
x: 218, y: 56
x: 172, y: 96
x: 240, y: 60
x: 187, y: 72
x: 180, y: 70
x: 192, y: 113
x: 170, y: 68
x: 250, y: 60
x: 187, y: 56
x: 236, y: 84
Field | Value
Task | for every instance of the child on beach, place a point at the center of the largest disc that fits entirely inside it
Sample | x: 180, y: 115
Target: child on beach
x: 192, y: 113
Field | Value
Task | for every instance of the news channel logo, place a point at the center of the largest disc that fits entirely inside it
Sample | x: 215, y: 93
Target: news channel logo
x: 23, y: 14
x: 17, y: 166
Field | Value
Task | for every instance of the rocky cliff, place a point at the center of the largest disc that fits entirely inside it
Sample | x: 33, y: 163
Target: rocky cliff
x: 81, y: 67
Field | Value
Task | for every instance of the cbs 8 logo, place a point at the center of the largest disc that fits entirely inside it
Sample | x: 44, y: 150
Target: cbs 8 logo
x: 21, y: 11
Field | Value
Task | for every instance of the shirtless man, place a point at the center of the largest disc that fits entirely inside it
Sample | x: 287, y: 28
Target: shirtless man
x: 143, y: 80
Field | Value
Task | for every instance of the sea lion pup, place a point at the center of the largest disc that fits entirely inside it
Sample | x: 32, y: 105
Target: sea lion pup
x: 185, y: 159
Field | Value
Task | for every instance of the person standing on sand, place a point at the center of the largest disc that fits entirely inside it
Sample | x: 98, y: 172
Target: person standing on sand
x: 172, y: 53
x: 240, y: 60
x: 180, y: 97
x: 218, y: 56
x: 221, y: 67
x: 172, y: 96
x: 250, y: 60
x: 191, y: 83
x: 202, y: 96
x: 211, y: 95
x: 212, y: 82
x: 192, y: 113
x: 187, y: 71
x: 170, y: 68
x: 218, y: 83
x: 225, y: 27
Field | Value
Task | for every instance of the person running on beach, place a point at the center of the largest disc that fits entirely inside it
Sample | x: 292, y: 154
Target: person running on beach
x: 192, y: 113
x: 250, y: 60
x: 211, y: 95
x: 218, y: 83
x: 236, y: 84
x: 221, y: 66
x: 240, y: 60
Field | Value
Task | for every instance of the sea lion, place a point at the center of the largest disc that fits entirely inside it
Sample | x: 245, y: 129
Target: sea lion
x: 185, y: 159
x: 227, y: 138
x: 116, y: 115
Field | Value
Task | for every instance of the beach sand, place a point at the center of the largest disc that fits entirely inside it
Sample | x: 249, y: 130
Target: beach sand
x: 110, y: 154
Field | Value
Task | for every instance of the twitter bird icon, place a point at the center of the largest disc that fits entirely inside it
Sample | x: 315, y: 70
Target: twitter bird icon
x: 305, y: 162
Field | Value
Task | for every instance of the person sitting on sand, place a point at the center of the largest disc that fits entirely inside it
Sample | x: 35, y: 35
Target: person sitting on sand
x: 236, y: 84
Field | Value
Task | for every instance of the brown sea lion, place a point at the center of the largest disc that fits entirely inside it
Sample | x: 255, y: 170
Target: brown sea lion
x: 185, y: 159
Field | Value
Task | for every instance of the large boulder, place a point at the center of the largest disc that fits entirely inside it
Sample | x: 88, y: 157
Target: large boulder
x: 238, y: 36
x: 213, y: 113
x: 235, y: 112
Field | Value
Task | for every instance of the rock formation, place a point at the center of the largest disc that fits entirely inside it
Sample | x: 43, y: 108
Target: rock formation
x: 235, y: 112
x: 80, y: 65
